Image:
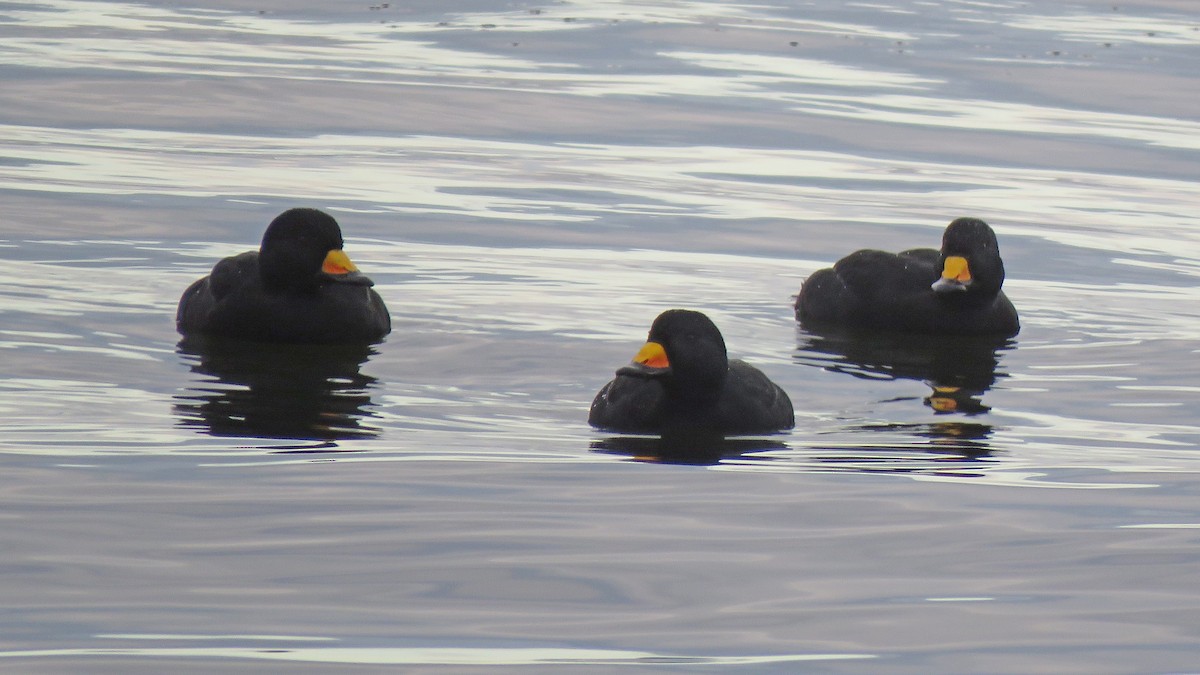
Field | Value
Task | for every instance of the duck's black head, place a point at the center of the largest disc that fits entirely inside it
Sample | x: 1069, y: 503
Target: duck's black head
x: 686, y: 352
x: 972, y: 270
x: 301, y: 249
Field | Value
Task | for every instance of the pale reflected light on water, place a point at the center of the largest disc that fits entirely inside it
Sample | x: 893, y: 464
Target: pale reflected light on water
x: 529, y: 185
x: 609, y: 185
x: 431, y: 656
x: 1112, y: 27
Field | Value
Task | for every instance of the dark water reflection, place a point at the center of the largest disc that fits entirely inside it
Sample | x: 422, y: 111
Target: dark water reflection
x: 945, y: 449
x: 958, y: 369
x: 694, y: 451
x: 277, y: 391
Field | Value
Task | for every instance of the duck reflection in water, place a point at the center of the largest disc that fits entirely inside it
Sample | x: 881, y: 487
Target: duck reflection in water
x: 279, y: 391
x: 696, y: 450
x: 969, y: 440
x: 958, y: 369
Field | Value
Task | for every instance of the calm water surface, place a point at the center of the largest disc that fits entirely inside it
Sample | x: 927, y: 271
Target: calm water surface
x: 529, y: 184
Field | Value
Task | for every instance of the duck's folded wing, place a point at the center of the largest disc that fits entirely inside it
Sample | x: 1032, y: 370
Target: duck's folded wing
x: 232, y: 273
x: 752, y: 403
x: 874, y: 275
x: 628, y: 405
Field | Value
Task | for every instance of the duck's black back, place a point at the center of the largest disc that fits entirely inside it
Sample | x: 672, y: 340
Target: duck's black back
x: 233, y: 302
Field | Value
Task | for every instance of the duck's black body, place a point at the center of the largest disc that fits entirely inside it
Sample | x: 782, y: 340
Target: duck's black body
x: 956, y: 290
x: 298, y: 288
x: 682, y: 383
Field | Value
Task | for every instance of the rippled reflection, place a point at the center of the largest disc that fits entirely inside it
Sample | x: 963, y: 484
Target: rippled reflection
x: 957, y: 369
x: 964, y: 440
x: 697, y: 451
x: 277, y: 391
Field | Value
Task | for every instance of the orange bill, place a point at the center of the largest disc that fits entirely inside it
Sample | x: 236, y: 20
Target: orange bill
x: 337, y: 263
x: 652, y: 355
x: 956, y: 269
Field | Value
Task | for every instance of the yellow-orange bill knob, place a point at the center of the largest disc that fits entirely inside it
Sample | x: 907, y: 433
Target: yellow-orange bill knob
x: 956, y: 269
x: 651, y: 354
x: 337, y: 262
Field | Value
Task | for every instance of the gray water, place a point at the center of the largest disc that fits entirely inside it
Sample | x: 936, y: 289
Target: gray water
x: 529, y: 184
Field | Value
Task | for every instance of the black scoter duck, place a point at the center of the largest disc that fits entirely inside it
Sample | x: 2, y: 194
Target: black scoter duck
x: 952, y: 291
x: 682, y: 383
x: 299, y: 287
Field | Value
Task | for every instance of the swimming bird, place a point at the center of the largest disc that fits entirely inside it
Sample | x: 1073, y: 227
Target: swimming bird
x: 683, y: 383
x: 299, y: 287
x: 956, y: 290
